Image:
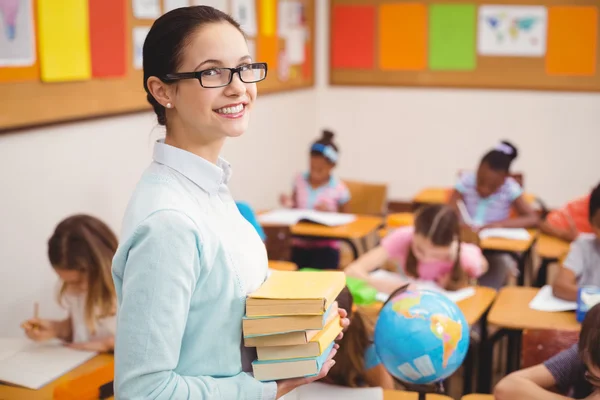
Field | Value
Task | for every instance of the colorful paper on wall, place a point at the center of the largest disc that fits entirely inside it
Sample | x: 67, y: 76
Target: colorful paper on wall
x: 402, y: 36
x: 353, y: 37
x: 307, y: 67
x: 108, y: 20
x: 244, y: 12
x: 222, y: 5
x: 512, y: 31
x: 268, y: 51
x: 452, y: 37
x: 17, y: 34
x: 64, y: 40
x: 294, y: 43
x: 146, y: 9
x: 572, y: 41
x: 268, y: 14
x: 139, y: 34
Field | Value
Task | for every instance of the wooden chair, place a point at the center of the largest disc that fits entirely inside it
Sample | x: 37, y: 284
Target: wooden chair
x: 367, y: 198
x: 538, y: 345
x: 279, y: 242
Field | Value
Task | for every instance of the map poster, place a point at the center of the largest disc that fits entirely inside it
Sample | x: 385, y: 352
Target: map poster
x: 17, y: 40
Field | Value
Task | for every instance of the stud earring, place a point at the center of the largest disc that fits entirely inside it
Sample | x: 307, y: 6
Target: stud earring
x: 168, y: 105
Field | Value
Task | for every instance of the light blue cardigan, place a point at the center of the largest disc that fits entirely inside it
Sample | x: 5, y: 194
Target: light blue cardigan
x: 182, y: 271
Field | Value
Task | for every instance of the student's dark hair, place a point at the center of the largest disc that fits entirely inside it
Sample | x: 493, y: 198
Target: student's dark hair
x: 166, y: 42
x: 589, y: 337
x: 594, y: 202
x: 326, y: 139
x: 500, y: 158
x: 349, y: 368
x: 440, y: 224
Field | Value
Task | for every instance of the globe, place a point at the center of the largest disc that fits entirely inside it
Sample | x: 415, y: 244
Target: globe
x: 421, y: 336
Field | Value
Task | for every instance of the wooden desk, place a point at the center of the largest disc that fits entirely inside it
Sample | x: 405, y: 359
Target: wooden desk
x: 551, y: 247
x: 511, y: 313
x: 397, y: 220
x: 46, y: 392
x: 441, y: 195
x: 282, y: 265
x: 357, y: 230
x: 401, y: 395
x: 478, y: 397
x: 473, y: 307
x: 511, y: 310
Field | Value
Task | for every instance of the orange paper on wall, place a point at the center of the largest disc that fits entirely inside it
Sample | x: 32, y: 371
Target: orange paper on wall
x: 108, y: 20
x: 268, y: 51
x: 402, y: 36
x: 572, y: 40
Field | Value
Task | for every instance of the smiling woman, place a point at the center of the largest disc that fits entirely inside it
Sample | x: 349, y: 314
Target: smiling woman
x: 188, y: 258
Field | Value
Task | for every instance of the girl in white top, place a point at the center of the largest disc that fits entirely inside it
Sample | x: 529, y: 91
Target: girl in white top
x: 81, y: 251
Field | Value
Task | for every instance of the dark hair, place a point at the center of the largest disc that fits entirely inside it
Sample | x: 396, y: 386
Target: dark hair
x: 86, y: 244
x: 167, y: 39
x: 594, y: 203
x: 589, y: 337
x: 440, y: 224
x: 501, y: 157
x: 349, y: 368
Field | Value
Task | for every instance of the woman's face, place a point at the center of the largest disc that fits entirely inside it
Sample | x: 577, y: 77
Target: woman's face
x: 215, y: 112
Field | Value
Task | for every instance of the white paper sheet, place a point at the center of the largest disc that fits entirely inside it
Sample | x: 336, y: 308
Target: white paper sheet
x: 512, y: 31
x: 294, y: 41
x: 546, y: 301
x: 455, y: 296
x: 33, y: 365
x: 244, y: 12
x: 17, y: 37
x: 292, y: 216
x: 505, y: 233
x: 218, y: 4
x: 323, y: 391
x: 174, y: 4
x: 139, y: 36
x: 146, y: 9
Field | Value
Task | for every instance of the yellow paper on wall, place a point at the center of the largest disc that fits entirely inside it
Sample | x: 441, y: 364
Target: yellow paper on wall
x: 268, y: 12
x: 64, y: 40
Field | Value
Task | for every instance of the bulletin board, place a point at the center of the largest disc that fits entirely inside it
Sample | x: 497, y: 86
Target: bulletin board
x: 504, y: 44
x: 102, y: 75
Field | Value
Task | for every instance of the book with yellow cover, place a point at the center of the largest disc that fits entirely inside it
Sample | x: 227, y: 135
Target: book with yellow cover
x: 257, y: 326
x: 296, y: 293
x: 314, y: 348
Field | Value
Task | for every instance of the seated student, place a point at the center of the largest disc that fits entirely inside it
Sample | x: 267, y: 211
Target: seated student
x: 81, y: 252
x: 248, y: 213
x: 356, y: 362
x: 489, y: 195
x: 582, y: 265
x: 318, y: 189
x: 431, y: 250
x: 569, y: 221
x: 575, y: 372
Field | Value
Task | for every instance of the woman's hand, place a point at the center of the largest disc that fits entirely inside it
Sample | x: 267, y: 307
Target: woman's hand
x: 344, y: 322
x: 39, y: 329
x: 285, y: 386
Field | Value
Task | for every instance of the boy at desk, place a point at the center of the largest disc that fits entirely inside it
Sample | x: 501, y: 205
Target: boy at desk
x: 575, y: 371
x: 582, y: 265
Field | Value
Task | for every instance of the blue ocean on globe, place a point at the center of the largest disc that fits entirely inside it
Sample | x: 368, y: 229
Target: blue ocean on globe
x: 421, y: 337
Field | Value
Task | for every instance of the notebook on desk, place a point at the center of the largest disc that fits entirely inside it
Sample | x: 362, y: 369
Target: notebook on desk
x: 293, y: 216
x: 33, y: 365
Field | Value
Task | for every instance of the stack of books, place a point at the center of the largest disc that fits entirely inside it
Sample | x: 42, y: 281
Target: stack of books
x: 293, y: 320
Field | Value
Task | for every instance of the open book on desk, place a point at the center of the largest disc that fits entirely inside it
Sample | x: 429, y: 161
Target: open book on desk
x: 287, y: 216
x: 323, y: 391
x: 454, y: 295
x: 33, y: 365
x: 505, y: 233
x: 545, y: 300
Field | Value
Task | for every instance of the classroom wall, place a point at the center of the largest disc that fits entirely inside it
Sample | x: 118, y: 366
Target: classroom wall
x: 389, y: 133
x: 92, y: 167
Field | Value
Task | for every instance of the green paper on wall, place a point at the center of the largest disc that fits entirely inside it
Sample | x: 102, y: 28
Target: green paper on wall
x: 452, y: 37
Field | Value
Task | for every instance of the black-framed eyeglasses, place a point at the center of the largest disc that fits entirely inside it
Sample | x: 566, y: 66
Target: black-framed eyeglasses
x: 592, y: 379
x: 219, y: 77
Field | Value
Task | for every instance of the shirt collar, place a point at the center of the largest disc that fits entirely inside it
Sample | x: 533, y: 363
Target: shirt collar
x: 203, y: 173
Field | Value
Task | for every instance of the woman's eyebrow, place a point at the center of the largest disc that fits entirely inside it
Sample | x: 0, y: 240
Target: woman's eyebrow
x: 220, y: 63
